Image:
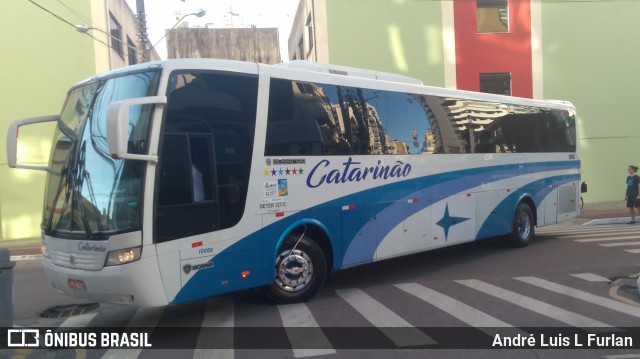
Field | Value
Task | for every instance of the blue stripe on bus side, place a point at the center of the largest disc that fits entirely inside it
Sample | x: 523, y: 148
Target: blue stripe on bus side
x: 379, y: 201
x: 501, y: 220
x: 362, y: 248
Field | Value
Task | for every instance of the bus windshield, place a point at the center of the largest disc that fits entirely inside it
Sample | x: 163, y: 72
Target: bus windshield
x: 88, y: 193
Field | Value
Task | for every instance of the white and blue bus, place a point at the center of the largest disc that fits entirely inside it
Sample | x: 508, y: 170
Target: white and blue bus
x: 184, y: 179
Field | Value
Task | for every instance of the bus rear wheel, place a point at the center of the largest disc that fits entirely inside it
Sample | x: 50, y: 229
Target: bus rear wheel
x: 300, y: 271
x: 523, y: 226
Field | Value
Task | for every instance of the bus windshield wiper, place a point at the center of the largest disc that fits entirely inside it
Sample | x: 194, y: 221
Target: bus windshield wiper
x: 77, y: 179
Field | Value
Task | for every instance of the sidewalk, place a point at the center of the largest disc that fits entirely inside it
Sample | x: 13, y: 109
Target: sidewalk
x: 23, y: 249
x: 591, y: 214
x: 605, y: 210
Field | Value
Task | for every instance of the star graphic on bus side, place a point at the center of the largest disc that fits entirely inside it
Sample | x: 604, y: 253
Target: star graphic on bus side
x: 448, y: 221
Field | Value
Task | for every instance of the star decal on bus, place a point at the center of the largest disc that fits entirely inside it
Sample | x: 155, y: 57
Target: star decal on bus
x: 448, y: 221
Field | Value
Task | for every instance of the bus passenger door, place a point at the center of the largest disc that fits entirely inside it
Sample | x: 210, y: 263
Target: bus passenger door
x: 205, y: 149
x: 186, y: 201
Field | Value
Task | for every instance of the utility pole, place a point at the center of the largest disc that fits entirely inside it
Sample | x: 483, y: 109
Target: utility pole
x: 143, y: 39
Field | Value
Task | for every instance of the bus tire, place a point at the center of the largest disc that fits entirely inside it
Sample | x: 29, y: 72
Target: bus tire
x: 300, y: 273
x: 523, y: 229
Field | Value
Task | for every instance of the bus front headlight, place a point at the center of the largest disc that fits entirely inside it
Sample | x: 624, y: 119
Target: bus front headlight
x: 123, y: 256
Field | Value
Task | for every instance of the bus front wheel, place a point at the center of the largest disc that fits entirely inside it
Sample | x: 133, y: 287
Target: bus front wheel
x: 523, y: 226
x: 300, y: 271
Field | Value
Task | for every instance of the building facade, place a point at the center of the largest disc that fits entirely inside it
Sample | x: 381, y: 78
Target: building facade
x: 40, y: 63
x: 583, y: 52
x: 244, y: 44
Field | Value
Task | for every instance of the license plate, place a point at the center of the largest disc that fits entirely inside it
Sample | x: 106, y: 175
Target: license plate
x: 76, y: 284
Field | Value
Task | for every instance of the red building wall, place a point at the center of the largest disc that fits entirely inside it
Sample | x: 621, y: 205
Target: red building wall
x: 490, y: 53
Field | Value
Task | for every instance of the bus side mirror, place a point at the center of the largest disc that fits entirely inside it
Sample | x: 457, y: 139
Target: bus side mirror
x: 118, y: 127
x: 12, y: 141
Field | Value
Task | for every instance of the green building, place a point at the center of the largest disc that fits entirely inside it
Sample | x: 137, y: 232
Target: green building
x: 43, y: 56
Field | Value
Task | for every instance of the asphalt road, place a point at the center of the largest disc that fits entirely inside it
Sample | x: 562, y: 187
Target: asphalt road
x: 571, y: 278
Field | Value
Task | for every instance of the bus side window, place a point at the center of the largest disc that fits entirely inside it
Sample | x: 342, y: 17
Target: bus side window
x: 406, y: 124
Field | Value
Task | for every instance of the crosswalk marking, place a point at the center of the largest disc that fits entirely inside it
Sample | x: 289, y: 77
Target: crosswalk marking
x: 590, y: 277
x: 585, y: 229
x: 621, y: 244
x: 217, y: 314
x: 459, y: 310
x: 621, y: 236
x: 548, y: 310
x: 143, y: 317
x: 298, y: 315
x: 146, y: 317
x: 592, y: 233
x: 78, y: 321
x: 384, y: 319
x: 582, y: 295
x: 605, y: 239
x: 313, y: 342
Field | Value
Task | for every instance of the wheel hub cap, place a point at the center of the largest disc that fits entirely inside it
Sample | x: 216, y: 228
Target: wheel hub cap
x: 294, y: 271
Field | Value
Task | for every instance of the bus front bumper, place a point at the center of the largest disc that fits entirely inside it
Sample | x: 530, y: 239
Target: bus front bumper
x: 137, y: 283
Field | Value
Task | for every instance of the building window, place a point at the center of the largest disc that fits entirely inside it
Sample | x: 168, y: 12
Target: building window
x: 131, y: 52
x: 309, y: 37
x: 493, y: 16
x: 497, y: 83
x: 115, y: 30
x: 300, y: 49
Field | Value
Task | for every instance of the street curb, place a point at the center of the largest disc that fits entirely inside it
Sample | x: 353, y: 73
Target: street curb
x: 26, y: 257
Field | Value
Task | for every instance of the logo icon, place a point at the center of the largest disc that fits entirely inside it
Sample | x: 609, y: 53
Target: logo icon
x: 21, y: 338
x: 186, y: 268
